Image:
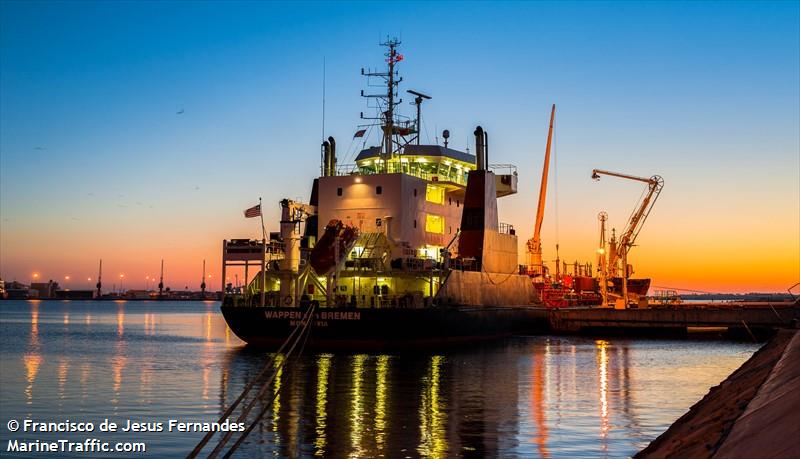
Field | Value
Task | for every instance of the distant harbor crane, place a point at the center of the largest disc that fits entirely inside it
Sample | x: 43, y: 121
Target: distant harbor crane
x: 535, y: 266
x: 619, y: 251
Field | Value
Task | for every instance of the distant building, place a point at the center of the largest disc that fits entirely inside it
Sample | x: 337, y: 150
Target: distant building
x: 44, y: 289
x: 17, y: 291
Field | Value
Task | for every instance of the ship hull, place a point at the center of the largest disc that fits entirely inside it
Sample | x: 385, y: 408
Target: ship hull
x: 383, y: 328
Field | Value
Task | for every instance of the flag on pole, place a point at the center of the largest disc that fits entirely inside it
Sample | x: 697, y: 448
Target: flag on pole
x: 360, y: 133
x: 253, y: 212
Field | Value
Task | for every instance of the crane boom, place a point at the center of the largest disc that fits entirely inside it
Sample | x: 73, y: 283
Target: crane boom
x: 654, y: 184
x: 535, y: 243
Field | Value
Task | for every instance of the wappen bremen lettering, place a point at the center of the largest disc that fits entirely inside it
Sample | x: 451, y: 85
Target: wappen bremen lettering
x: 333, y: 315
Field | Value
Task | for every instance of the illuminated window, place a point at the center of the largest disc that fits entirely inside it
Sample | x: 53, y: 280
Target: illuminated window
x: 434, y: 224
x: 431, y: 252
x: 434, y: 194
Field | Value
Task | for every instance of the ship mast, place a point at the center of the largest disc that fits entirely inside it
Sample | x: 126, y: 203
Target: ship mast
x: 388, y: 100
x: 388, y: 125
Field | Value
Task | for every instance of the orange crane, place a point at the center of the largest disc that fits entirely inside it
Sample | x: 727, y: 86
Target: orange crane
x: 535, y: 265
x: 619, y: 251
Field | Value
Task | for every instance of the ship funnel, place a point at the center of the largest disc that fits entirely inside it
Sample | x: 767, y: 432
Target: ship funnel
x: 326, y: 158
x: 332, y: 162
x: 479, y: 148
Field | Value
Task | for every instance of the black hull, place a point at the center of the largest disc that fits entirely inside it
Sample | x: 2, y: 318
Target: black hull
x: 384, y: 328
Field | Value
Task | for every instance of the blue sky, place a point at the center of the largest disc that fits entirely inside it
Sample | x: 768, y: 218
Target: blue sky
x: 94, y: 160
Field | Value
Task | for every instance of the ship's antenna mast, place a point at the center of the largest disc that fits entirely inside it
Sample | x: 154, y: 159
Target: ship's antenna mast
x: 389, y: 114
x: 387, y: 119
x: 321, y: 154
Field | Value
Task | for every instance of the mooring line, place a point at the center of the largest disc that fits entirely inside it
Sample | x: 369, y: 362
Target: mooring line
x: 207, y: 437
x: 224, y: 440
x: 266, y: 407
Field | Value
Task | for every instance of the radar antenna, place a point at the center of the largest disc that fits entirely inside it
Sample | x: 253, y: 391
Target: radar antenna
x: 418, y: 102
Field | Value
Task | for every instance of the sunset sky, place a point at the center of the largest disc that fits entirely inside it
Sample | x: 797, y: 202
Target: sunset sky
x: 96, y: 162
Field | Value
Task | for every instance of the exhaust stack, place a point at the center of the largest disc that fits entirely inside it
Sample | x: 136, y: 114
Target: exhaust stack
x: 480, y: 154
x: 485, y: 150
x: 332, y: 163
x: 326, y: 158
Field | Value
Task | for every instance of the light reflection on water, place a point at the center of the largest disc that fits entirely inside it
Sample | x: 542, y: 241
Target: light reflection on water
x: 525, y: 397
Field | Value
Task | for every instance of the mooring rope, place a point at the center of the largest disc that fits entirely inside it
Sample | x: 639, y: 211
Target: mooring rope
x: 242, y: 417
x: 266, y: 407
x: 302, y: 326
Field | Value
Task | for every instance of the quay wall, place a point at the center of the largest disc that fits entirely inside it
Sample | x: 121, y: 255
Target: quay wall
x: 752, y: 413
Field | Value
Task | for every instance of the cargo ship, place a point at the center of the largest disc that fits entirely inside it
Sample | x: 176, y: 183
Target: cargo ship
x: 402, y: 249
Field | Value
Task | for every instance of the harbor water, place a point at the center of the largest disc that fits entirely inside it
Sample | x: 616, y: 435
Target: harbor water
x: 527, y: 396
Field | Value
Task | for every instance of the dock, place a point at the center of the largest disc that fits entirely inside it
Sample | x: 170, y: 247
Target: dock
x: 672, y: 319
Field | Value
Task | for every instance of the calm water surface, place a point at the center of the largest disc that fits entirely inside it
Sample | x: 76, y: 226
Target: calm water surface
x: 538, y: 396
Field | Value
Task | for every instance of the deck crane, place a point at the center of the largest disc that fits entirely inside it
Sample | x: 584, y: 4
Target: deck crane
x: 535, y: 266
x: 639, y: 215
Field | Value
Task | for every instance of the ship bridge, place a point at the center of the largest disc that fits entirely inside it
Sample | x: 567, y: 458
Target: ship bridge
x: 447, y: 167
x: 429, y: 162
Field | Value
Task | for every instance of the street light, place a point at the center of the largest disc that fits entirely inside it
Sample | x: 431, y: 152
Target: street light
x: 121, y: 276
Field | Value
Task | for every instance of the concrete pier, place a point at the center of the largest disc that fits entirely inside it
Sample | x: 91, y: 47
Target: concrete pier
x: 603, y: 319
x: 755, y: 412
